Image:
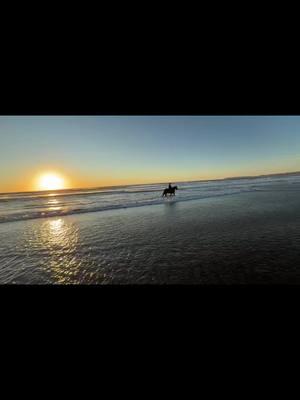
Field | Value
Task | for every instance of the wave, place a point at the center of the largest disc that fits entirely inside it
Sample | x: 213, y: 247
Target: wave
x: 135, y: 189
x: 75, y: 195
x: 33, y: 205
x: 28, y: 215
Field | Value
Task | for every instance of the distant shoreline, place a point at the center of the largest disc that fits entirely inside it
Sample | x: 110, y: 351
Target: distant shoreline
x: 157, y: 183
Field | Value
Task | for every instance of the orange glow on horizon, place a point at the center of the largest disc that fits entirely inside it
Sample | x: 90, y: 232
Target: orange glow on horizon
x: 48, y: 178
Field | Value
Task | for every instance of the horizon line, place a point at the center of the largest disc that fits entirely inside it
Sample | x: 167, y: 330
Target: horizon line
x: 156, y: 183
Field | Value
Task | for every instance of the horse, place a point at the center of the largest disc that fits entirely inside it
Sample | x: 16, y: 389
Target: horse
x: 169, y: 191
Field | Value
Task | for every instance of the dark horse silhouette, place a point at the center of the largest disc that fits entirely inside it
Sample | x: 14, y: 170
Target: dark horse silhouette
x: 170, y: 191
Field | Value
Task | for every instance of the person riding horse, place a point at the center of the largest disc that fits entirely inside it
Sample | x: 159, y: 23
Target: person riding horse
x: 170, y: 190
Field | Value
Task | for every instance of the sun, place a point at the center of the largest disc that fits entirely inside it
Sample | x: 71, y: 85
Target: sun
x: 51, y: 181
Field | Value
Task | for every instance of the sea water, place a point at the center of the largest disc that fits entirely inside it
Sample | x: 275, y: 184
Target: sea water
x: 32, y: 205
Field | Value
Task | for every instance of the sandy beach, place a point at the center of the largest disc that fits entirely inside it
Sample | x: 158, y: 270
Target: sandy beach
x: 235, y: 239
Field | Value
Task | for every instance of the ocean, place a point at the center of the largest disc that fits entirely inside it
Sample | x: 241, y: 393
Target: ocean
x: 234, y: 231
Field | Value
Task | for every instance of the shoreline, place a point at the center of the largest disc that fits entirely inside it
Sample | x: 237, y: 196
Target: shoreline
x: 117, y: 208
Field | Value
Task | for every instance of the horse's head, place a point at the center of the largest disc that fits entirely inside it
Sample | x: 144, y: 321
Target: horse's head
x: 175, y: 187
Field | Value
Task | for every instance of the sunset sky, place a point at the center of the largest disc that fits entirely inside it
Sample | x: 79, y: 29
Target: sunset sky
x: 98, y: 151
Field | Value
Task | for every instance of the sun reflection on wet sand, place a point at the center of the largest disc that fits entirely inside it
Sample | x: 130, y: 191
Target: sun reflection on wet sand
x: 56, y: 226
x: 61, y: 240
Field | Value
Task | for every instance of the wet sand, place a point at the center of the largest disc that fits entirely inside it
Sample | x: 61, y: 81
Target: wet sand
x: 234, y: 239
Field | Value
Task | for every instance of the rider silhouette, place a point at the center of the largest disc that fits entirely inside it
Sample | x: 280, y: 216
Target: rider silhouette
x: 170, y: 187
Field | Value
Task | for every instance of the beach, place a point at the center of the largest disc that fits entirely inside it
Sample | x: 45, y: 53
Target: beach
x: 222, y: 237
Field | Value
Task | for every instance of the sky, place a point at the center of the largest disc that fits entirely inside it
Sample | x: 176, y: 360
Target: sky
x: 92, y: 151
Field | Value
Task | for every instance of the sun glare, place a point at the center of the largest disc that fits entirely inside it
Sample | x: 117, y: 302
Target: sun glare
x: 51, y: 181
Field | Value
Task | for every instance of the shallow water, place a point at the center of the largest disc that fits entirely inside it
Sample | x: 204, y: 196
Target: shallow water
x: 246, y: 237
x: 24, y: 206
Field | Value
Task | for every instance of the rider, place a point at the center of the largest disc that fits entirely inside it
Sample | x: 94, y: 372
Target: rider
x: 170, y: 187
